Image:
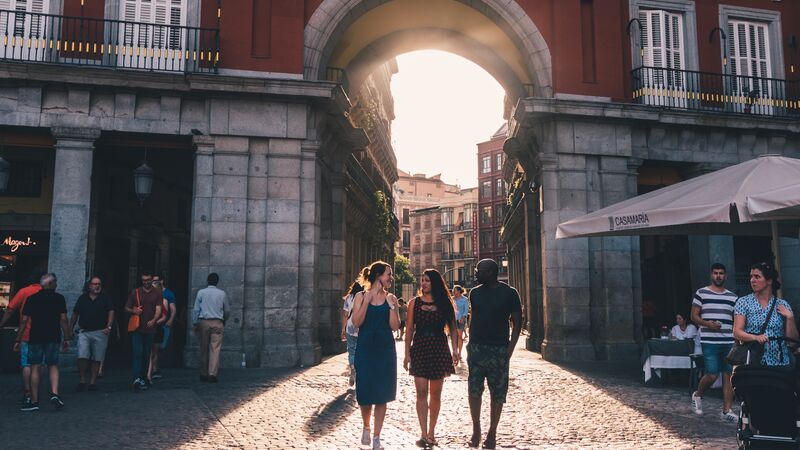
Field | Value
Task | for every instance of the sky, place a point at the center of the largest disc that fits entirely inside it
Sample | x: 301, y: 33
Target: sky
x: 444, y: 105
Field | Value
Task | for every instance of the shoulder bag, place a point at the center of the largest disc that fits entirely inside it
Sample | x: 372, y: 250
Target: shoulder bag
x: 749, y: 353
x: 133, y: 321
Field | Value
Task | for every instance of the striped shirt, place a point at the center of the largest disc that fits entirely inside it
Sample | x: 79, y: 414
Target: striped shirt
x: 716, y: 307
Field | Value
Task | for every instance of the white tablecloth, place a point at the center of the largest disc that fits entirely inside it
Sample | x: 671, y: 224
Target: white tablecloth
x: 656, y: 362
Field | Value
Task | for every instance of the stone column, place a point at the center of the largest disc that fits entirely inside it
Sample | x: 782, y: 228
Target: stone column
x: 69, y: 223
x: 707, y: 250
x: 308, y: 305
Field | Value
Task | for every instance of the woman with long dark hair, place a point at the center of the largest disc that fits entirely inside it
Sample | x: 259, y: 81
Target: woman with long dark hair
x: 376, y: 316
x: 350, y: 331
x: 427, y: 355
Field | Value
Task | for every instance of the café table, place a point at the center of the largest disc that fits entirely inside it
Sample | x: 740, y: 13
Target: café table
x: 660, y: 354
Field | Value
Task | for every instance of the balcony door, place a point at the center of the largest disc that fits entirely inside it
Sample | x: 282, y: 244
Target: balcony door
x: 22, y: 29
x: 153, y: 35
x: 751, y: 66
x: 663, y: 58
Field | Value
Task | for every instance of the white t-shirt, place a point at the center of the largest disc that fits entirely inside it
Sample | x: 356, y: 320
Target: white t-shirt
x: 350, y: 329
x: 689, y: 333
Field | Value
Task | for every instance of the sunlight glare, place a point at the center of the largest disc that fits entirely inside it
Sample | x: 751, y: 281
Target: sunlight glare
x: 444, y: 106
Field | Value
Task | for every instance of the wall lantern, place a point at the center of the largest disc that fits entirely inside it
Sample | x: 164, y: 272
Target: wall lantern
x: 724, y: 38
x: 5, y: 173
x: 143, y: 180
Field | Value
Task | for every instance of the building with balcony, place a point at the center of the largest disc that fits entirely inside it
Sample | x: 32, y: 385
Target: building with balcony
x: 492, y: 200
x: 662, y: 91
x: 459, y: 234
x: 183, y: 137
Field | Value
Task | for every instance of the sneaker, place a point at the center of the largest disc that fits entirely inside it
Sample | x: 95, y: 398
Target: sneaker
x: 376, y: 443
x: 56, y: 401
x: 156, y: 376
x: 697, y: 403
x: 729, y: 417
x: 139, y: 385
x: 365, y: 436
x: 30, y: 406
x: 26, y: 398
x: 81, y: 387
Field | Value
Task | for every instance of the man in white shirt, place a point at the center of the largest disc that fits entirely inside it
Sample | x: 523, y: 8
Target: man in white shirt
x: 208, y: 317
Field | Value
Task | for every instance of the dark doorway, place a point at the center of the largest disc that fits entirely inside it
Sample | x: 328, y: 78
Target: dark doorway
x: 666, y: 283
x: 132, y: 235
x: 749, y: 250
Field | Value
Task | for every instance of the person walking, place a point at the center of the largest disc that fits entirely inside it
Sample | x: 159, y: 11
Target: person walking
x: 427, y: 357
x: 209, y: 313
x: 376, y: 315
x: 349, y: 331
x: 164, y: 329
x: 712, y: 311
x: 94, y: 314
x: 402, y: 309
x: 46, y: 311
x: 462, y: 310
x: 15, y: 307
x: 489, y: 351
x: 145, y: 302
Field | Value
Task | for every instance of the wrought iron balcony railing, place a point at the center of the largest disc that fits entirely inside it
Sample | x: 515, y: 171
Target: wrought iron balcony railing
x: 450, y: 228
x: 457, y: 255
x: 686, y: 89
x: 53, y: 39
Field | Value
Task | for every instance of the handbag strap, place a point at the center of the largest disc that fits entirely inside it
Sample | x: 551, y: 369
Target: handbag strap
x: 769, y: 315
x: 138, y: 303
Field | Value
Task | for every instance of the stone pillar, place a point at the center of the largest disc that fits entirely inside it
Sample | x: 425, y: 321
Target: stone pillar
x: 333, y: 265
x: 69, y: 223
x: 308, y: 305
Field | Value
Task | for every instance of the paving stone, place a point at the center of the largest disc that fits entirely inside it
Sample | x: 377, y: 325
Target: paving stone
x: 578, y: 406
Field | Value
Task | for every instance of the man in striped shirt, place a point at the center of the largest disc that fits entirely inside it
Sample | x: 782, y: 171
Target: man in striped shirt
x: 712, y: 311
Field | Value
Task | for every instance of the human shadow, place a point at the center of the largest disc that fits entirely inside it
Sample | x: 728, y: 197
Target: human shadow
x: 329, y: 415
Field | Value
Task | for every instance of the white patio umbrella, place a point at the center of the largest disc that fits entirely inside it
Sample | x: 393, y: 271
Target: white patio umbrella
x: 715, y: 203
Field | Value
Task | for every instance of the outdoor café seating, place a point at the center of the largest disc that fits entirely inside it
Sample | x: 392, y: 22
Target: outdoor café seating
x: 659, y: 354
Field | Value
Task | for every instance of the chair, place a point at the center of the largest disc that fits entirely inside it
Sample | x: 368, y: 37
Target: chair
x: 697, y: 370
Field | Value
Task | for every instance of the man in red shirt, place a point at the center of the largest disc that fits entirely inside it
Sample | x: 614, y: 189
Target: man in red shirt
x: 16, y: 305
x: 145, y: 302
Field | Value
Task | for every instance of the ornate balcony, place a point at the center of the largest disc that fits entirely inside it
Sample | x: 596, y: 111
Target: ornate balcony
x: 705, y: 91
x: 52, y: 39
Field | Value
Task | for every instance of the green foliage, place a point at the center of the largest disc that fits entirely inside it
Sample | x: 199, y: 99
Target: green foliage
x: 380, y: 227
x: 402, y: 270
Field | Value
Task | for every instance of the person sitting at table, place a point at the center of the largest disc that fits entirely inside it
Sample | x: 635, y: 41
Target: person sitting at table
x: 682, y: 330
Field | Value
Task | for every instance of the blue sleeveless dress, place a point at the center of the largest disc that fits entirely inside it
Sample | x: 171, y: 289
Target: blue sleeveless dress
x: 376, y: 358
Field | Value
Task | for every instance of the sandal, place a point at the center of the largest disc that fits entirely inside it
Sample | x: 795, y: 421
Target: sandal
x: 474, y: 441
x: 422, y: 443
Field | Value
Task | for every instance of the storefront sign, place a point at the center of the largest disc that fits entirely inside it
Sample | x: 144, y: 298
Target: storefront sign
x: 15, y: 244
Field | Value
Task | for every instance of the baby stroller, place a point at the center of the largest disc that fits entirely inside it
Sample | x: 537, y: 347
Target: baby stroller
x: 770, y: 411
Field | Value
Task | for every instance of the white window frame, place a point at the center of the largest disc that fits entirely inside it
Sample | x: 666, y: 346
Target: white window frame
x: 140, y: 42
x: 664, y: 56
x: 684, y: 7
x: 486, y: 164
x: 26, y: 29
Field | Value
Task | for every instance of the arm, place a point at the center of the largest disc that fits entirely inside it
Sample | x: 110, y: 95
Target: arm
x: 196, y: 310
x: 155, y: 318
x: 790, y: 329
x: 409, y: 333
x: 359, y: 309
x: 516, y: 320
x: 65, y: 327
x: 703, y: 323
x: 454, y: 338
x: 109, y: 322
x: 73, y: 320
x: 6, y: 317
x: 130, y: 305
x: 172, y: 311
x: 23, y: 322
x: 739, y: 321
x: 226, y: 308
x: 394, y: 312
x: 161, y: 317
x: 345, y: 313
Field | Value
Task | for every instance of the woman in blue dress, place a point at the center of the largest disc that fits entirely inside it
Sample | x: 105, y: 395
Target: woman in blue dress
x: 751, y: 312
x: 376, y: 315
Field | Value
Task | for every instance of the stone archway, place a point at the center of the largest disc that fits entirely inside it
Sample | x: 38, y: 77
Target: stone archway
x: 333, y: 17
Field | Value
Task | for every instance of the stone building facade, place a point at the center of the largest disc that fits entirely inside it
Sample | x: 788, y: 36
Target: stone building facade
x: 492, y: 200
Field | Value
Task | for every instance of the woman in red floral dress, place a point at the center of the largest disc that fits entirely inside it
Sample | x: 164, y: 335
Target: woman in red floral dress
x: 427, y: 353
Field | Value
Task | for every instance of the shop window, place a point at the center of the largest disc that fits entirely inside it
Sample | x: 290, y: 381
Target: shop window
x: 25, y: 180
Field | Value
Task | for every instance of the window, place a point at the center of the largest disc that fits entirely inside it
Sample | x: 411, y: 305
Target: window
x: 499, y: 189
x: 486, y: 240
x: 748, y: 50
x: 405, y: 216
x: 663, y: 52
x: 498, y: 158
x: 447, y: 218
x: 406, y: 239
x: 486, y: 164
x: 486, y: 214
x: 499, y: 212
x: 499, y: 240
x: 153, y: 26
x: 486, y: 189
x: 19, y: 28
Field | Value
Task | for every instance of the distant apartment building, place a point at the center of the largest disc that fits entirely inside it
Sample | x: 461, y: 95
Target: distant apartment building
x: 412, y: 192
x: 492, y: 199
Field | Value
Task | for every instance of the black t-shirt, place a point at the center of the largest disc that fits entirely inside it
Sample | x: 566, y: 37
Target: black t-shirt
x: 44, y: 311
x: 93, y: 314
x: 491, y: 311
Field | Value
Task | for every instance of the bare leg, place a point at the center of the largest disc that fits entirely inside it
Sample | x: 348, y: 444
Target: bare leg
x: 95, y: 370
x: 422, y: 405
x: 53, y: 378
x: 434, y: 404
x: 153, y: 368
x: 82, y: 365
x: 727, y: 392
x: 26, y: 379
x: 380, y: 413
x: 491, y: 435
x: 707, y: 380
x: 35, y: 383
x: 366, y: 412
x: 475, y: 412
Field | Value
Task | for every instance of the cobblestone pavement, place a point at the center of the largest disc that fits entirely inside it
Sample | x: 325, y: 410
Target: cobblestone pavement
x: 592, y: 405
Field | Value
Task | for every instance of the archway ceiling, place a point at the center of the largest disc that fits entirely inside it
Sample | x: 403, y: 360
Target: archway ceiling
x: 442, y: 24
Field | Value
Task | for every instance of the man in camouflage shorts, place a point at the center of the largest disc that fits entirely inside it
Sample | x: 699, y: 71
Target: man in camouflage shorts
x: 493, y: 304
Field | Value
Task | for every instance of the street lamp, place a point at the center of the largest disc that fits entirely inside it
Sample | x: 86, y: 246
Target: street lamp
x: 143, y: 181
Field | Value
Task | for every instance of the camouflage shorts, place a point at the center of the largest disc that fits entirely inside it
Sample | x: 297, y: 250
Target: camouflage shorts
x: 489, y: 362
